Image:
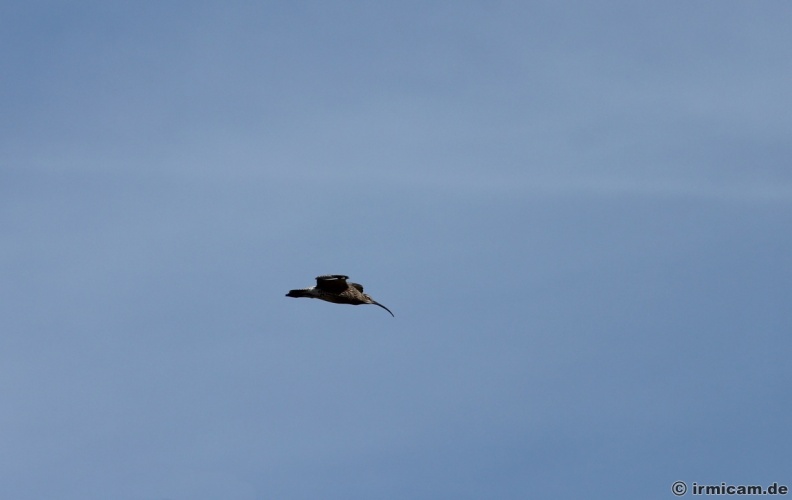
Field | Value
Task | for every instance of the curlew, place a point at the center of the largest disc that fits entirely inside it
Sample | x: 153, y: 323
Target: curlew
x: 334, y: 288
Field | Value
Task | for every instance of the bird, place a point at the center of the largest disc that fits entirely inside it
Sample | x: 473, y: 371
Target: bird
x: 334, y: 288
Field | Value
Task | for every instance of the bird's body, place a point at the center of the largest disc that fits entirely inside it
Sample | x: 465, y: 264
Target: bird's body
x: 334, y: 288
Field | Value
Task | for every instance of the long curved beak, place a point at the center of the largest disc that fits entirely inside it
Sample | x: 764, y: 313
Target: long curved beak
x: 378, y: 304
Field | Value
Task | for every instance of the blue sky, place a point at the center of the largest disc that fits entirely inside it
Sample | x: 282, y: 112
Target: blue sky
x: 579, y: 212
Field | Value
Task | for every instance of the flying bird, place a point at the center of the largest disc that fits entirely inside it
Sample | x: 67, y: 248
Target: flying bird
x: 334, y: 288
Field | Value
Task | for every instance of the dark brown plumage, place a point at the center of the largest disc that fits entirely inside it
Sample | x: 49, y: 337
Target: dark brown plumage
x: 334, y: 288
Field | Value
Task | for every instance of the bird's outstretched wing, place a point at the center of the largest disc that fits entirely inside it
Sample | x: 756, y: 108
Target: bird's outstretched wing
x: 332, y: 283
